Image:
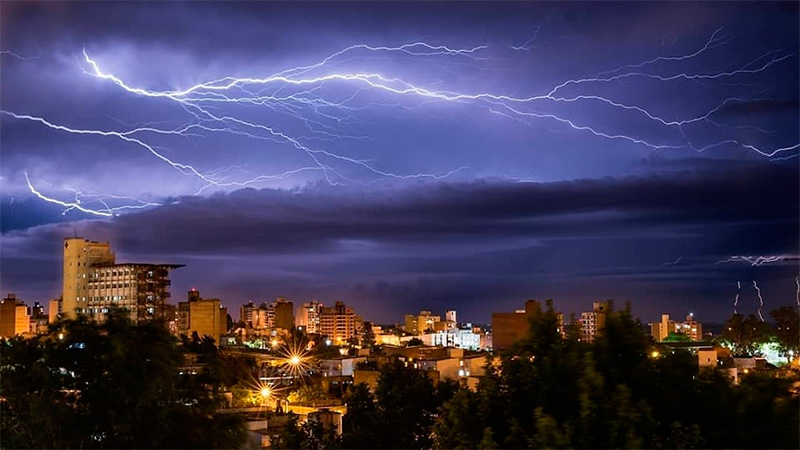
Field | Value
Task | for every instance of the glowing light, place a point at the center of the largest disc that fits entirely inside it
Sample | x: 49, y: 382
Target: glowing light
x: 295, y: 361
x: 266, y: 392
x: 655, y: 354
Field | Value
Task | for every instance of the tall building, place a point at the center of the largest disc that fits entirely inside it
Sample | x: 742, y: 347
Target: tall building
x: 594, y: 321
x: 339, y: 323
x: 691, y: 328
x: 450, y: 316
x: 93, y: 283
x: 79, y: 255
x: 308, y: 316
x: 246, y: 313
x: 54, y: 310
x: 14, y: 319
x: 207, y: 317
x: 660, y: 330
x: 281, y: 314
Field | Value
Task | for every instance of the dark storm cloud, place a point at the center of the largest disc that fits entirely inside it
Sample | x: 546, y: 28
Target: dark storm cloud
x: 324, y: 220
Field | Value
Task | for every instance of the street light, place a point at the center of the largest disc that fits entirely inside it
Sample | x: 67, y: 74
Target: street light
x: 266, y: 392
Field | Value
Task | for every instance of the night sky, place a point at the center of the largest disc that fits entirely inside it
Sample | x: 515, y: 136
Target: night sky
x: 407, y: 156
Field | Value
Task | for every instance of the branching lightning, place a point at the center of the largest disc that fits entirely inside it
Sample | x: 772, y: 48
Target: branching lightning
x: 17, y: 55
x: 759, y: 260
x: 301, y: 93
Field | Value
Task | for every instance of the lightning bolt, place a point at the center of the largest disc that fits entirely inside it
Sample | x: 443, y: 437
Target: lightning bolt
x: 300, y: 93
x: 760, y: 300
x: 17, y: 55
x: 736, y: 300
x: 68, y: 205
x: 797, y: 294
x: 758, y: 260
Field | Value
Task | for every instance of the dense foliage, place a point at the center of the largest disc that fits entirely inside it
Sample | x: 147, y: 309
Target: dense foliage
x: 111, y: 385
x: 554, y: 392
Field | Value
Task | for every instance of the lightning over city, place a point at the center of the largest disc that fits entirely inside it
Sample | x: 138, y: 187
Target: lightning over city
x: 553, y: 151
x: 428, y: 225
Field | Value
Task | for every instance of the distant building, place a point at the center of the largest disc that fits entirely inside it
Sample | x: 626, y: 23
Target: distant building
x: 594, y: 322
x: 691, y: 328
x: 207, y: 317
x: 14, y: 319
x: 54, y: 310
x: 246, y: 313
x: 281, y: 314
x: 342, y: 366
x: 308, y: 316
x: 420, y: 323
x: 93, y: 283
x: 508, y: 328
x: 339, y: 323
x: 660, y: 330
x: 450, y: 316
x: 38, y: 319
x: 453, y: 338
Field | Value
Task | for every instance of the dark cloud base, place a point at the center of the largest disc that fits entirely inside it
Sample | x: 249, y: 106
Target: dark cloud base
x: 477, y: 246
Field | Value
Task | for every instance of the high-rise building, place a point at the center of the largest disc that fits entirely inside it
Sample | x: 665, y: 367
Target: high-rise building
x: 280, y: 314
x: 594, y: 322
x: 308, y: 316
x: 207, y: 317
x: 79, y: 255
x: 246, y: 313
x: 691, y: 328
x: 339, y: 323
x: 93, y: 283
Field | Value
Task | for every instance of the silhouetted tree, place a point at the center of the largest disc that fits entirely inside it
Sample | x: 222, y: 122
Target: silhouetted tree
x: 787, y: 328
x: 109, y: 385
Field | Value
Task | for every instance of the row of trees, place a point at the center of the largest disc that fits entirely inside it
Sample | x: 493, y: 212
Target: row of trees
x: 746, y: 334
x: 621, y: 391
x: 113, y: 385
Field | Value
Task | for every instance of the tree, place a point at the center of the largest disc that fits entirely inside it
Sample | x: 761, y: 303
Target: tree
x: 413, y: 342
x: 787, y: 327
x: 109, y: 385
x: 745, y: 334
x: 406, y: 406
x: 360, y: 423
x: 677, y: 337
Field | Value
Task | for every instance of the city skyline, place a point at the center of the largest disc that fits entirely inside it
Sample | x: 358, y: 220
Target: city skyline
x: 407, y: 157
